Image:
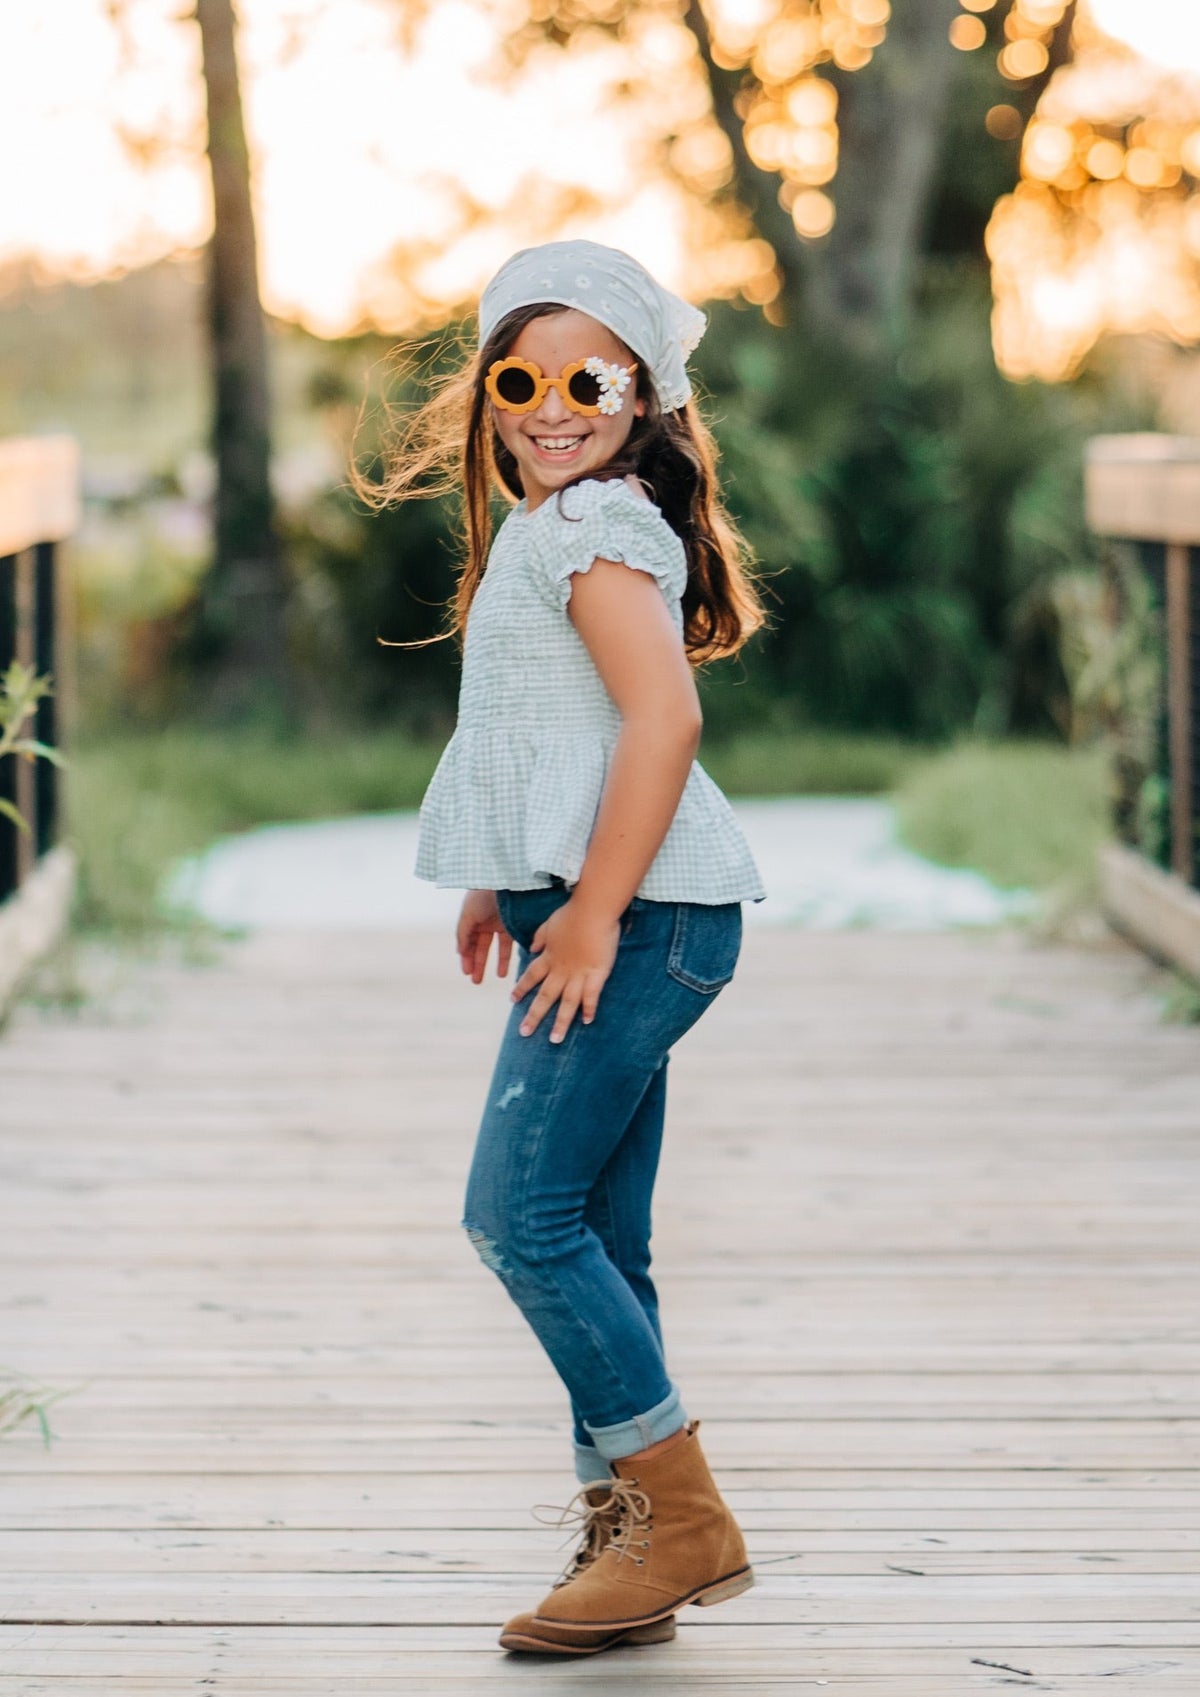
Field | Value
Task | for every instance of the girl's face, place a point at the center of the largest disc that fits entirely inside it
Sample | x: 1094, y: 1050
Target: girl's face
x: 552, y: 444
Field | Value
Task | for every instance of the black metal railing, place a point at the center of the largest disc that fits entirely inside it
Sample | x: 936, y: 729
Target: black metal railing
x: 38, y: 508
x: 1145, y: 490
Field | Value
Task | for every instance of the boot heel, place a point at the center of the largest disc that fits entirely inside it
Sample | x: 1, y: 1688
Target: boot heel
x: 656, y: 1632
x: 727, y: 1588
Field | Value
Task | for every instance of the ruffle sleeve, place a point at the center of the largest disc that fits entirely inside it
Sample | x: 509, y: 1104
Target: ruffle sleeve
x: 608, y: 521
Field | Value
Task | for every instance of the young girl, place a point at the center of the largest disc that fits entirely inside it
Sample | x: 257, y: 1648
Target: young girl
x: 570, y: 808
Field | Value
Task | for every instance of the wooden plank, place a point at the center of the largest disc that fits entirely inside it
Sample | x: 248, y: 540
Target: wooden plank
x: 1155, y: 908
x: 403, y: 1451
x: 408, y: 1599
x: 32, y: 920
x: 1144, y: 485
x: 921, y: 1241
x: 39, y: 491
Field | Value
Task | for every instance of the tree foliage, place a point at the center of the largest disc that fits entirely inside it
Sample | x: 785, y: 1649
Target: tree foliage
x: 905, y: 501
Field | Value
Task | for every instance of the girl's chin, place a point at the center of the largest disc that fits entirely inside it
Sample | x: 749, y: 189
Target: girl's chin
x: 550, y: 473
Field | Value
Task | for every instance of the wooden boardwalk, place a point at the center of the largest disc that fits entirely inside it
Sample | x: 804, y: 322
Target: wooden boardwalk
x: 927, y: 1244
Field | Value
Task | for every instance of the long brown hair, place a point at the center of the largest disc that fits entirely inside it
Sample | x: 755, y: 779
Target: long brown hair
x: 449, y: 445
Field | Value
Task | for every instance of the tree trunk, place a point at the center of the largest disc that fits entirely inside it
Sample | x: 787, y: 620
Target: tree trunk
x: 756, y: 189
x: 243, y: 600
x: 859, y: 278
x: 890, y: 118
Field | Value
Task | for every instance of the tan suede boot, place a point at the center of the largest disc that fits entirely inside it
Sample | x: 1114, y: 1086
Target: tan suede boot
x: 678, y: 1543
x: 601, y: 1520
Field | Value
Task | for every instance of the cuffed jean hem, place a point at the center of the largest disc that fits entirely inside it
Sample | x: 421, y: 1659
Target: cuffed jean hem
x: 627, y: 1437
x: 590, y: 1466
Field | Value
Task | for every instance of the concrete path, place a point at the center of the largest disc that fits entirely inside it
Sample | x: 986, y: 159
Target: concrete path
x: 827, y: 863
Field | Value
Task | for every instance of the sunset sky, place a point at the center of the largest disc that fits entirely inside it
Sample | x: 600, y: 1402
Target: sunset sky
x: 365, y: 145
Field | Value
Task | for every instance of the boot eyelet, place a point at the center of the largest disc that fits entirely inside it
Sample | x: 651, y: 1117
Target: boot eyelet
x: 641, y: 1561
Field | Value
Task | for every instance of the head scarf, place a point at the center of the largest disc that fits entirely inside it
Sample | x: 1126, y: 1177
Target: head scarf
x: 610, y: 286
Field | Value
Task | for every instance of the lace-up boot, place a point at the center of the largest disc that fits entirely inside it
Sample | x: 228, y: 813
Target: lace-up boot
x: 676, y: 1543
x: 600, y: 1515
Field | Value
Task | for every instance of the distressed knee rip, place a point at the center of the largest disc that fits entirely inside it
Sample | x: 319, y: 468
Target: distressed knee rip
x: 487, y: 1249
x: 511, y: 1094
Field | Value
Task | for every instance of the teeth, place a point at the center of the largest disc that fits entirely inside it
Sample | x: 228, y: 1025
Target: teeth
x: 553, y: 444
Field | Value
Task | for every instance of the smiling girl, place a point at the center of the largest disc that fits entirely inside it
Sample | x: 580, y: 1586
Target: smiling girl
x: 570, y: 807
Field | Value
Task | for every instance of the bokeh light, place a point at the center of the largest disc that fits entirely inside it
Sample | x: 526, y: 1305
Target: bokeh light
x: 1100, y: 235
x: 393, y: 174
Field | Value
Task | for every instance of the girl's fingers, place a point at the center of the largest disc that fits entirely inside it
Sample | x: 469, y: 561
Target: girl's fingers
x: 483, y: 941
x: 540, y: 1006
x: 532, y: 975
x: 568, y: 1004
x: 503, y: 953
x: 590, y: 1000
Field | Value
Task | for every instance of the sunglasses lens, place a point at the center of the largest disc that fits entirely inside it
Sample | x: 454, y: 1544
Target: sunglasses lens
x: 515, y: 386
x: 584, y: 389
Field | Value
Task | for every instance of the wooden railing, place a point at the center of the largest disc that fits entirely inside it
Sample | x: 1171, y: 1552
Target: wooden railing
x: 1146, y: 490
x: 39, y: 509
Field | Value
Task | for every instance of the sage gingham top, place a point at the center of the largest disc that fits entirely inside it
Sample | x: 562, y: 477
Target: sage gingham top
x: 515, y: 794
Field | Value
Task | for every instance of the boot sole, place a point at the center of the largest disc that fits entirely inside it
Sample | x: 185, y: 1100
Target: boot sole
x: 732, y: 1585
x: 726, y: 1588
x: 654, y: 1632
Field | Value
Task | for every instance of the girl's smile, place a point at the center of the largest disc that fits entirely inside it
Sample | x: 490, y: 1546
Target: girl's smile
x: 553, y: 443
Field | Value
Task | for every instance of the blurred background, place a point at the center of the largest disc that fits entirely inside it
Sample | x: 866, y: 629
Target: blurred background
x: 942, y: 244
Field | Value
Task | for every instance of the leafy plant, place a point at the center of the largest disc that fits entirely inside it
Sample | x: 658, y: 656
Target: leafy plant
x: 21, y: 1402
x: 20, y: 691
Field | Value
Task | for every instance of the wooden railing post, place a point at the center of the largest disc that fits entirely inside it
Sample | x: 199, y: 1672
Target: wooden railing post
x: 1145, y: 489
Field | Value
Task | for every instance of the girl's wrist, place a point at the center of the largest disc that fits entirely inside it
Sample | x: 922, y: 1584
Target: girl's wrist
x: 599, y: 905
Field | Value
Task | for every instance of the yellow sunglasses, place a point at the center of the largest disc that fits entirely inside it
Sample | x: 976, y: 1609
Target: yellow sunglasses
x: 588, y: 386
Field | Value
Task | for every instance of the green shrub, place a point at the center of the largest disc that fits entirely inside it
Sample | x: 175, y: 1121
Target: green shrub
x: 1027, y: 815
x: 138, y: 801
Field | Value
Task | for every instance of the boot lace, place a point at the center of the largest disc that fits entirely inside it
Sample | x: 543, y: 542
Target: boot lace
x: 634, y: 1513
x: 593, y: 1521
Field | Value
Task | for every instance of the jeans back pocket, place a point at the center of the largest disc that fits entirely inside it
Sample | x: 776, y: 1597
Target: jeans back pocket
x: 705, y: 945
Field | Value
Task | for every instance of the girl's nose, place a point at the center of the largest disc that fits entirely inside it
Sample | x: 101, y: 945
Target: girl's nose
x: 553, y: 409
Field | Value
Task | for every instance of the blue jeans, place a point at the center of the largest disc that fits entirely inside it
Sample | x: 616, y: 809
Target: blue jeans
x: 558, y: 1200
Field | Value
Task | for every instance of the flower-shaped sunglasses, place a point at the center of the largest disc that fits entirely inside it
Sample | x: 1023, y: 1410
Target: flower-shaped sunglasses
x: 588, y: 386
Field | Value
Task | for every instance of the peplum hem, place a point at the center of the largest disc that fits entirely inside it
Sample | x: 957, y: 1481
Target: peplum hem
x: 509, y: 807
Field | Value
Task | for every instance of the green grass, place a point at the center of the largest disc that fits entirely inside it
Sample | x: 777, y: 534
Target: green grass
x: 809, y: 763
x: 1027, y: 815
x: 139, y: 801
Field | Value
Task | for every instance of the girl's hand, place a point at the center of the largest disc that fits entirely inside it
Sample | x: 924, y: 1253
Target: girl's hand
x: 478, y: 922
x: 575, y: 951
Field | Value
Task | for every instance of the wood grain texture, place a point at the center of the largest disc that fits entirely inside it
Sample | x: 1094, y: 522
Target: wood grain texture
x: 39, y: 491
x: 926, y: 1243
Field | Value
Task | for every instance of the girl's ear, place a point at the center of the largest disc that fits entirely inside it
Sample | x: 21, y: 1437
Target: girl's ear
x: 639, y: 408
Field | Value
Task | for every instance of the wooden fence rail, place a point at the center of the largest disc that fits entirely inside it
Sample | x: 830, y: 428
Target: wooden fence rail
x: 1145, y: 489
x: 39, y: 507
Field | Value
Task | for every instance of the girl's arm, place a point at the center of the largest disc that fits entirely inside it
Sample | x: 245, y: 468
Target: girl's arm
x: 627, y: 629
x: 625, y: 626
